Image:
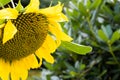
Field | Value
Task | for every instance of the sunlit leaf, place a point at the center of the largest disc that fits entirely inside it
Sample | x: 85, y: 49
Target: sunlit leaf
x: 102, y: 35
x: 115, y: 36
x: 4, y: 2
x: 80, y: 49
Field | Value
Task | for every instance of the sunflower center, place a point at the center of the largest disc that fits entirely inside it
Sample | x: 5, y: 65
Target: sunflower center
x: 32, y: 31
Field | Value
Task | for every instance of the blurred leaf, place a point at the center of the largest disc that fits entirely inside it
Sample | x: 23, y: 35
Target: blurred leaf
x: 73, y: 5
x: 115, y: 36
x: 69, y: 66
x: 88, y: 3
x: 108, y: 11
x: 4, y: 2
x: 111, y: 62
x: 116, y: 47
x: 72, y: 73
x: 83, y: 9
x: 102, y: 35
x: 79, y: 66
x: 103, y: 73
x: 80, y: 49
x: 117, y: 17
x: 95, y: 4
x: 82, y: 66
x: 107, y: 30
x: 49, y: 66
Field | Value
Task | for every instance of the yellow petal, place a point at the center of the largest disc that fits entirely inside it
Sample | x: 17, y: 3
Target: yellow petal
x: 39, y: 56
x: 18, y: 70
x: 58, y: 42
x: 57, y: 17
x: 54, y: 13
x: 44, y: 53
x: 9, y: 31
x: 33, y: 6
x: 4, y: 70
x: 55, y: 25
x: 50, y: 44
x: 8, y: 13
x: 52, y: 10
x: 55, y: 29
x: 65, y: 37
x: 31, y: 61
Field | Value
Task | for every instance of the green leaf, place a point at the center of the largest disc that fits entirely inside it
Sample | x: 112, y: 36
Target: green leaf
x: 80, y: 49
x: 115, y: 36
x: 73, y: 73
x: 102, y: 35
x: 4, y: 2
x: 117, y: 17
x: 111, y: 62
x: 107, y: 30
x: 48, y: 65
x: 95, y: 4
x: 88, y: 3
x: 69, y: 66
x: 108, y: 11
x: 103, y: 73
x: 83, y: 9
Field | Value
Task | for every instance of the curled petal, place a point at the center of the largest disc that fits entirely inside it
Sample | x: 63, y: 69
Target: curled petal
x: 54, y: 13
x: 33, y: 6
x: 55, y: 29
x: 58, y: 17
x: 52, y: 10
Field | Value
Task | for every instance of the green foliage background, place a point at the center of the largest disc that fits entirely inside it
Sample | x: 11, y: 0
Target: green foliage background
x: 91, y: 22
x: 95, y: 23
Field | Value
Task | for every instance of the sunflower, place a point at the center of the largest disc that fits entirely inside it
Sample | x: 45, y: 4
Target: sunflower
x: 28, y: 35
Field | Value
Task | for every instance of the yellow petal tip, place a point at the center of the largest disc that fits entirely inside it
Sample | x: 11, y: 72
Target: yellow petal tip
x: 9, y: 31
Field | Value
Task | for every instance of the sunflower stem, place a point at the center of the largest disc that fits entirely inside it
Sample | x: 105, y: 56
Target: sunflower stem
x: 13, y: 5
